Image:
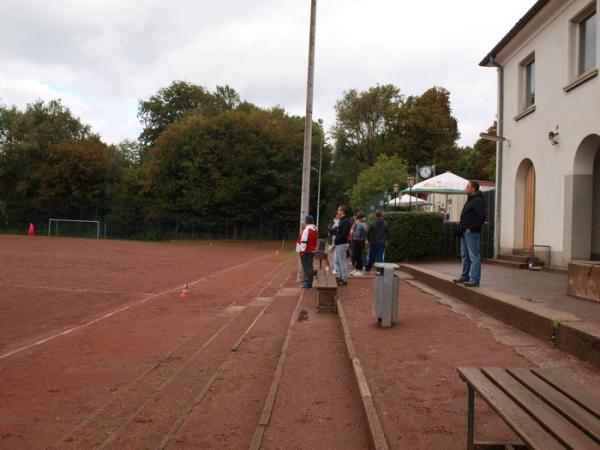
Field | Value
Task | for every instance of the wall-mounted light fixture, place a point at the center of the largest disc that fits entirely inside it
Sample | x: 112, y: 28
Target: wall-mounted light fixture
x: 493, y: 138
x: 553, y: 136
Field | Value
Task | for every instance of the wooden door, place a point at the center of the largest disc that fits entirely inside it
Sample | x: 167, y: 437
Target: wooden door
x: 529, y: 209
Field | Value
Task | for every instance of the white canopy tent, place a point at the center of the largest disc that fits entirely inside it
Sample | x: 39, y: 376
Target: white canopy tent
x: 446, y: 183
x: 406, y: 200
x: 445, y: 191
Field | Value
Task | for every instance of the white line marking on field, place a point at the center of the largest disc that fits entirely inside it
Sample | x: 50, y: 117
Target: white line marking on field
x: 126, y: 307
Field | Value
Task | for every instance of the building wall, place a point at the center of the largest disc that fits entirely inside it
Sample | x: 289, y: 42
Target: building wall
x: 596, y: 209
x: 576, y: 113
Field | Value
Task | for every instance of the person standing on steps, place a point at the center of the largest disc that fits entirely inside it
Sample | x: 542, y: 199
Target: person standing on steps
x: 341, y: 246
x: 305, y: 246
x: 472, y: 219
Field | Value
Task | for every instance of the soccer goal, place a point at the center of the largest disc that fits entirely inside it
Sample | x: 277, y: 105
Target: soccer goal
x: 78, y: 228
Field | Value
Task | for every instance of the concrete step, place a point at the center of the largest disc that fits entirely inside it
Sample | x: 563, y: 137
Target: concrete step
x: 527, y: 253
x: 507, y: 263
x: 515, y: 258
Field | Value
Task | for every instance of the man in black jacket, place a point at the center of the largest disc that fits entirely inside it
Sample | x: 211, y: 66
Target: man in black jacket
x: 378, y: 237
x: 472, y: 219
x: 341, y: 246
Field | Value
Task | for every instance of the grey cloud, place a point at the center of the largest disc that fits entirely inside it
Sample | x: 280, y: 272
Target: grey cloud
x: 102, y: 56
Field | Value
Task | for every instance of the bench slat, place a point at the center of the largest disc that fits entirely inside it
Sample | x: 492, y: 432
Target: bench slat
x: 580, y: 416
x: 586, y: 399
x: 521, y: 423
x: 553, y: 421
x: 325, y: 280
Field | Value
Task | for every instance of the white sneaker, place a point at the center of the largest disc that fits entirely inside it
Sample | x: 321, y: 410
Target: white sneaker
x: 334, y: 272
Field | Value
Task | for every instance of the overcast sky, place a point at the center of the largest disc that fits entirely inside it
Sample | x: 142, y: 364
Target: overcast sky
x: 102, y: 56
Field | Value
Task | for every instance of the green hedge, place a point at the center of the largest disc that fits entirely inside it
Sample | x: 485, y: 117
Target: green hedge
x: 412, y: 235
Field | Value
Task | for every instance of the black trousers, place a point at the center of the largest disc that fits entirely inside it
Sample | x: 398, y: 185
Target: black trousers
x: 307, y: 264
x: 358, y: 249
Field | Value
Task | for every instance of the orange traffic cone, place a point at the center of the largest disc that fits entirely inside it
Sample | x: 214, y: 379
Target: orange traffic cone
x: 185, y: 292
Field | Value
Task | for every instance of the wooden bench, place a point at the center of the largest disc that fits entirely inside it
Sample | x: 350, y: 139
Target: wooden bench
x: 326, y: 286
x: 322, y: 256
x: 545, y: 410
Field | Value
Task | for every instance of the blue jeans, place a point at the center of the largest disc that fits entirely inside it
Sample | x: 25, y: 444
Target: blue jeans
x: 341, y: 265
x: 307, y: 265
x: 376, y: 254
x: 471, y: 257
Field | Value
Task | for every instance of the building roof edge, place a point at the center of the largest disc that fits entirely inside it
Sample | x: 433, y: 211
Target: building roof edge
x: 533, y: 11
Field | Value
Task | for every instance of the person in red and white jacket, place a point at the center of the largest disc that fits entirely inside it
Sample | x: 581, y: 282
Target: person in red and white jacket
x: 305, y: 247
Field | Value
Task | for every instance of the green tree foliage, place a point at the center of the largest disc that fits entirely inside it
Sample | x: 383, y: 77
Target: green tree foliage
x: 43, y: 141
x: 419, y: 129
x: 366, y: 121
x: 479, y: 162
x: 428, y: 132
x: 238, y: 168
x: 210, y: 159
x: 378, y: 178
x: 180, y: 99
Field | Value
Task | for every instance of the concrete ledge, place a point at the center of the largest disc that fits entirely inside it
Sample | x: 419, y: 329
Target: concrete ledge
x: 378, y: 440
x: 567, y: 331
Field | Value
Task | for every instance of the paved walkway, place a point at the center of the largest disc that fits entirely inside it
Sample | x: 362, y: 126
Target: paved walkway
x: 547, y: 288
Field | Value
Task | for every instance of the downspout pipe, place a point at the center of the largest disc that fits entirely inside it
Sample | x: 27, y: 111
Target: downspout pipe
x: 499, y: 154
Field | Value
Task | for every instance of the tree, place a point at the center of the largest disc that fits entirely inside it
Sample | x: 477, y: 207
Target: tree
x: 380, y: 121
x: 378, y: 178
x: 428, y: 132
x: 72, y: 173
x: 239, y: 169
x: 365, y: 121
x: 174, y: 102
x: 479, y: 162
x: 180, y: 99
x: 25, y: 148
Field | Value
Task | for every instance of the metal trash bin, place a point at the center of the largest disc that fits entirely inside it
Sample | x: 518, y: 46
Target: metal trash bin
x: 385, y: 295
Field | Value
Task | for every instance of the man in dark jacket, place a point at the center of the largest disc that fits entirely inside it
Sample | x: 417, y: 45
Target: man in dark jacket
x: 378, y: 236
x: 341, y: 246
x: 472, y: 219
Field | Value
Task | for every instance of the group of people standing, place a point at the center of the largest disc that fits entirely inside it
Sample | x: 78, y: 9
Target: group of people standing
x: 353, y: 237
x: 347, y: 237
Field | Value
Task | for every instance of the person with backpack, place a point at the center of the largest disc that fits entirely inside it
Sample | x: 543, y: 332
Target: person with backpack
x: 305, y: 247
x: 359, y: 236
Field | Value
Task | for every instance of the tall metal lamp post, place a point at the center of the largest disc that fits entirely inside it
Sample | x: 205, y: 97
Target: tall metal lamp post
x: 411, y: 183
x: 396, y: 191
x: 320, y: 164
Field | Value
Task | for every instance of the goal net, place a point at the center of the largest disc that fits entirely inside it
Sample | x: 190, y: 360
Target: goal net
x: 75, y: 228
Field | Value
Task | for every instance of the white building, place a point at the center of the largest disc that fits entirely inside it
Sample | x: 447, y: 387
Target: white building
x: 549, y: 119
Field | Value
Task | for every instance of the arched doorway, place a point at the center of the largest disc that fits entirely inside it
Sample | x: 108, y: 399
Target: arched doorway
x: 525, y: 181
x: 529, y: 209
x: 582, y: 201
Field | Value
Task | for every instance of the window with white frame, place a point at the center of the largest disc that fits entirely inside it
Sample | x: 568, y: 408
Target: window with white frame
x: 583, y: 51
x: 587, y: 44
x: 527, y: 83
x: 529, y: 68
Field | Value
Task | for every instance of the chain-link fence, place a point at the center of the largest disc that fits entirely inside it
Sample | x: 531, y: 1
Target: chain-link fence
x: 139, y: 226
